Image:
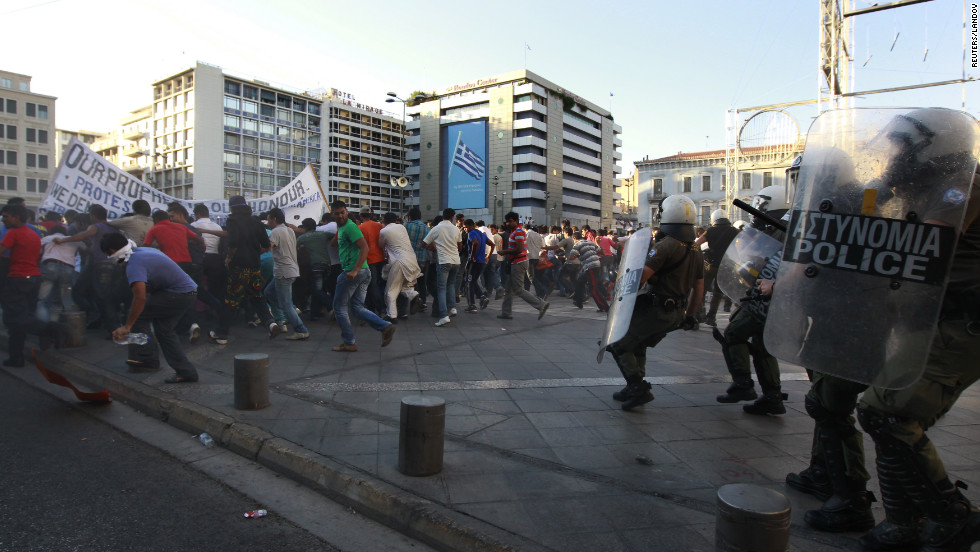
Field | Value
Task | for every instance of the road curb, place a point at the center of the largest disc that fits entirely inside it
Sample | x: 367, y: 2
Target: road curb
x: 438, y: 526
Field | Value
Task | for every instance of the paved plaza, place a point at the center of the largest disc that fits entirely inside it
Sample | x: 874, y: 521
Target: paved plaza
x: 538, y: 456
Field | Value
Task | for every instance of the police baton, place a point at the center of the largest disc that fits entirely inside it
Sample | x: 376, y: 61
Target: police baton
x: 755, y: 212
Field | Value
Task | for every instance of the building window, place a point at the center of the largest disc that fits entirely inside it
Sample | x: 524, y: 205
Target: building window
x: 31, y: 135
x: 250, y: 92
x: 232, y: 103
x: 42, y: 137
x: 706, y: 183
x: 766, y: 179
x: 24, y: 87
x: 687, y: 185
x: 232, y: 139
x: 42, y: 161
x: 250, y: 124
x: 232, y: 121
x: 11, y: 183
x: 267, y: 128
x: 232, y: 88
x: 30, y: 109
x: 706, y: 215
x: 658, y: 187
x: 42, y: 112
x: 231, y: 157
x: 6, y: 83
x: 32, y: 160
x: 250, y: 107
x: 31, y: 185
x: 12, y: 106
x: 11, y: 133
x: 746, y: 181
x: 8, y: 157
x: 724, y: 179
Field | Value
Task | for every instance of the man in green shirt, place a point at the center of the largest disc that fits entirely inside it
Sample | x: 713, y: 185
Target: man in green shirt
x: 352, y: 284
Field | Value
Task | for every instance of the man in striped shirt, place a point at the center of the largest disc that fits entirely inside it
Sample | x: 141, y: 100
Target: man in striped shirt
x: 417, y: 230
x: 589, y: 277
x: 516, y: 252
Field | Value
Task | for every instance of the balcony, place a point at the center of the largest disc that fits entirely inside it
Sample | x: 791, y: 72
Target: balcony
x: 412, y: 155
x: 529, y: 176
x: 132, y: 151
x: 413, y: 125
x: 531, y: 123
x: 530, y: 105
x: 530, y: 158
x: 529, y: 193
x: 413, y: 140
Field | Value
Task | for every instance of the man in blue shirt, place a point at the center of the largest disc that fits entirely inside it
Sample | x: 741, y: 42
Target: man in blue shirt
x: 476, y: 261
x: 162, y: 293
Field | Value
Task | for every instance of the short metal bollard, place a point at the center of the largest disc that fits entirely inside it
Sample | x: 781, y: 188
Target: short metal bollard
x: 74, y: 322
x: 420, y: 440
x: 751, y: 518
x: 251, y: 381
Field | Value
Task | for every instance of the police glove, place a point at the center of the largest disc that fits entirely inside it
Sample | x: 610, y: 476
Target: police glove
x: 689, y: 323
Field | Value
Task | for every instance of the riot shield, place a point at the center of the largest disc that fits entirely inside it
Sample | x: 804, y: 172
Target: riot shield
x: 627, y: 286
x: 745, y: 259
x: 870, y: 242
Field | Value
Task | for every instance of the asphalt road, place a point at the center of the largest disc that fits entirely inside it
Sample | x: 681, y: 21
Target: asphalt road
x: 69, y: 482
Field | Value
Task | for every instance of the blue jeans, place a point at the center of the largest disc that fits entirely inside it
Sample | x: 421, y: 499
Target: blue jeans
x: 320, y: 297
x: 350, y: 294
x: 446, y: 288
x: 55, y: 294
x: 279, y: 293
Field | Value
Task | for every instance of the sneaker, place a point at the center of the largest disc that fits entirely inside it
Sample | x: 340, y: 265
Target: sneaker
x: 195, y: 332
x: 274, y: 330
x: 471, y: 309
x: 416, y: 305
x: 544, y: 309
x: 298, y: 336
x: 453, y: 311
x: 213, y: 336
x: 484, y: 301
x: 443, y: 321
x: 345, y: 348
x: 387, y: 334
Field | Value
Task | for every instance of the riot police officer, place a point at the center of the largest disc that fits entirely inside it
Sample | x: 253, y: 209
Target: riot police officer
x: 743, y: 337
x: 718, y: 238
x: 674, y: 274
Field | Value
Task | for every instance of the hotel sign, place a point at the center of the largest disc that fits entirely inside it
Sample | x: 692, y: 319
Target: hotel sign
x: 469, y: 85
x: 347, y: 98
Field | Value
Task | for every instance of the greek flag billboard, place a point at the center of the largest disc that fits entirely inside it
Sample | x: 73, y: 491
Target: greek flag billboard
x: 464, y: 166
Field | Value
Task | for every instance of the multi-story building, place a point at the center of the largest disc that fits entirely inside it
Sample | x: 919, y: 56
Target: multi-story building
x: 27, y: 139
x: 704, y: 176
x: 128, y: 146
x: 514, y: 142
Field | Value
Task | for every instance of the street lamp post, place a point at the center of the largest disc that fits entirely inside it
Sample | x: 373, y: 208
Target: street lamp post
x: 391, y: 99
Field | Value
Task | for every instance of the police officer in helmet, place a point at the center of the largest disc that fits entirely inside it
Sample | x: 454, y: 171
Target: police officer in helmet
x: 674, y: 274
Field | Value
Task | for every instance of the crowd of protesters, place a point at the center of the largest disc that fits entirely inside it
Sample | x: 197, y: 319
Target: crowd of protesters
x: 279, y: 277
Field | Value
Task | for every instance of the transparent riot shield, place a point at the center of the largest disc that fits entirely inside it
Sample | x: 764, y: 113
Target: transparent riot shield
x: 870, y: 242
x: 746, y: 258
x: 627, y: 286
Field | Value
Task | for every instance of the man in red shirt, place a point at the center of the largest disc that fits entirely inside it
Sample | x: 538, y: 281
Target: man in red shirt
x: 516, y: 251
x: 375, y: 259
x: 19, y: 295
x: 171, y: 238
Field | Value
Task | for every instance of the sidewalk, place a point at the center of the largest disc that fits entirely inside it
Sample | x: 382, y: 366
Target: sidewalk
x: 537, y: 454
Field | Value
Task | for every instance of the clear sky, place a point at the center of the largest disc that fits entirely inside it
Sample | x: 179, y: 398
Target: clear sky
x: 673, y: 67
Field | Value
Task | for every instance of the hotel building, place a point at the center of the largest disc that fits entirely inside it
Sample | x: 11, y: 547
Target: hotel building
x: 529, y: 146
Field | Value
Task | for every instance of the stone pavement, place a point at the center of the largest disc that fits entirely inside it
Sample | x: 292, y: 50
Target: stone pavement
x: 537, y: 454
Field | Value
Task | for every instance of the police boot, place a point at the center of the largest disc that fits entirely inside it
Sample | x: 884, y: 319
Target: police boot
x: 843, y: 513
x: 770, y: 403
x: 622, y: 394
x: 903, y: 520
x: 739, y: 390
x: 812, y: 481
x: 952, y: 522
x: 638, y: 392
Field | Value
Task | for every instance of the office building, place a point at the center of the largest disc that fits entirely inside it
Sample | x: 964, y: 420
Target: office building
x: 514, y: 142
x: 27, y: 139
x: 128, y: 146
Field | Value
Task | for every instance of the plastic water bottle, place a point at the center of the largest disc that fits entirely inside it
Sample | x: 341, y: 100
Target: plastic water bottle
x: 255, y: 513
x: 206, y: 440
x: 135, y: 338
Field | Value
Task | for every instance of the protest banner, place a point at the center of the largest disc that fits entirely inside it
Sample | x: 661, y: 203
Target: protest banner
x: 84, y: 178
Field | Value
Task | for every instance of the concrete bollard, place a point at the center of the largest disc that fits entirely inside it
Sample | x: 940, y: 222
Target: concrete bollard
x: 751, y: 518
x: 251, y: 381
x: 74, y: 322
x: 420, y: 440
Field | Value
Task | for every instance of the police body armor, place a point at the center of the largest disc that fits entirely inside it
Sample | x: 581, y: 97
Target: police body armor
x: 870, y: 241
x: 627, y: 286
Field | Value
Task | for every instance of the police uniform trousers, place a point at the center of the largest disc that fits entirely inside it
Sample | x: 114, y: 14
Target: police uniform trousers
x: 831, y: 402
x: 744, y: 338
x: 649, y: 324
x: 902, y: 416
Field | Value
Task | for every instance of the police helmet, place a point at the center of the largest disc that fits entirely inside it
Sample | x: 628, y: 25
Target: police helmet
x: 719, y: 216
x: 677, y: 217
x: 772, y: 201
x: 739, y: 224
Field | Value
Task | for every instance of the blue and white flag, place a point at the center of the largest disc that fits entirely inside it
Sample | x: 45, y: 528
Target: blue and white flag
x: 469, y: 161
